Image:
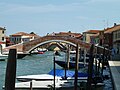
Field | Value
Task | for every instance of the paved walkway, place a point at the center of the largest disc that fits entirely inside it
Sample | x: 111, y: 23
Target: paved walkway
x: 115, y: 71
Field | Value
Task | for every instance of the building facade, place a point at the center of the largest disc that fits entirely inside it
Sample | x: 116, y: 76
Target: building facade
x: 68, y: 34
x: 22, y: 37
x: 91, y: 36
x: 116, y: 40
x: 2, y: 37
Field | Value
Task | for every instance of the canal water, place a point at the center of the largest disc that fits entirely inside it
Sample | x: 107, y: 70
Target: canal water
x: 37, y: 64
x: 29, y: 65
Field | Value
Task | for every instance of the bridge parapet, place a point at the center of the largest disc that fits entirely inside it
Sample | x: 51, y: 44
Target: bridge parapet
x: 18, y: 47
x: 33, y: 43
x: 26, y: 47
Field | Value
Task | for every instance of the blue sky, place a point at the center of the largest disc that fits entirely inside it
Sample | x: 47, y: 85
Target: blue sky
x: 47, y: 16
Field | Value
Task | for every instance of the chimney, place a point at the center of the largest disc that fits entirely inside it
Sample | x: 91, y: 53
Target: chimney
x: 115, y: 24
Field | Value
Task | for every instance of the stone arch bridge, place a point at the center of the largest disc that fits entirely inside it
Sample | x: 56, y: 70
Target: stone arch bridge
x: 29, y: 46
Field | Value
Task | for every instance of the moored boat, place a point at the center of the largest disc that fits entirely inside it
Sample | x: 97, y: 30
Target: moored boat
x: 60, y: 74
x: 3, y: 57
x: 71, y: 64
x: 45, y: 85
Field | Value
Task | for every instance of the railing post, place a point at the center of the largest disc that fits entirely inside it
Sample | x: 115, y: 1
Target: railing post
x: 11, y: 70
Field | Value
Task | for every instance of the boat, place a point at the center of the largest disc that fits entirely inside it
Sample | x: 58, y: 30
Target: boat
x: 22, y: 55
x: 71, y: 64
x: 39, y: 51
x: 46, y: 81
x: 57, y: 53
x: 40, y: 77
x: 49, y: 85
x: 45, y: 85
x: 3, y: 57
x: 72, y: 52
x: 59, y: 74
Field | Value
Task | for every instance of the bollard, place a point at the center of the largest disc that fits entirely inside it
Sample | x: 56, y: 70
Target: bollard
x: 11, y: 70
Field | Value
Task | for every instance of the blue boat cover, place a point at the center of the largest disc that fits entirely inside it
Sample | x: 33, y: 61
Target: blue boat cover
x: 69, y: 73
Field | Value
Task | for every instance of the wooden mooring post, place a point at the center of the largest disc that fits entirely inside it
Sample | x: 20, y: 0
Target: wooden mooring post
x: 11, y: 70
x: 90, y: 68
x: 54, y: 73
x: 103, y: 60
x: 76, y: 67
x: 68, y: 56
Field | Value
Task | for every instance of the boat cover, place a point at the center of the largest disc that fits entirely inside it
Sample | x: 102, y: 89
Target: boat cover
x: 69, y: 73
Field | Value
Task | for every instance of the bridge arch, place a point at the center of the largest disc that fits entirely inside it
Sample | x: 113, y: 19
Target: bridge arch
x: 49, y: 41
x: 28, y: 47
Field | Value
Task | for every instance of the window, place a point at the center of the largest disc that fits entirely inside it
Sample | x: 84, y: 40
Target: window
x: 2, y: 38
x: 3, y: 32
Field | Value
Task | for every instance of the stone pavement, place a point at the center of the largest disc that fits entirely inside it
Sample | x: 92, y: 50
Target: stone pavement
x: 115, y: 72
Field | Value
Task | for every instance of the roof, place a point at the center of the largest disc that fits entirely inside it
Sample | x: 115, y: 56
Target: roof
x: 92, y: 31
x: 69, y: 33
x: 2, y: 28
x: 112, y: 29
x: 24, y: 34
x: 20, y: 34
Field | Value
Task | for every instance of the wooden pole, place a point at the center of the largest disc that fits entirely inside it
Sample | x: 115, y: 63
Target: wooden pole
x: 11, y: 70
x: 76, y: 66
x: 90, y: 68
x: 31, y: 85
x: 85, y: 56
x: 65, y: 65
x: 68, y: 56
x: 103, y: 60
x: 54, y: 72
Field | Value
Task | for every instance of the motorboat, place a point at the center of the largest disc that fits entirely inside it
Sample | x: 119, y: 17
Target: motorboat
x: 59, y: 74
x: 3, y: 57
x: 71, y: 64
x: 49, y: 85
x: 46, y: 81
x: 40, y: 77
x: 45, y: 85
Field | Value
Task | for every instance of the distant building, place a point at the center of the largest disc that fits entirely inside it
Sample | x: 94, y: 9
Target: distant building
x: 2, y: 37
x: 91, y: 37
x: 69, y: 34
x: 22, y: 37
